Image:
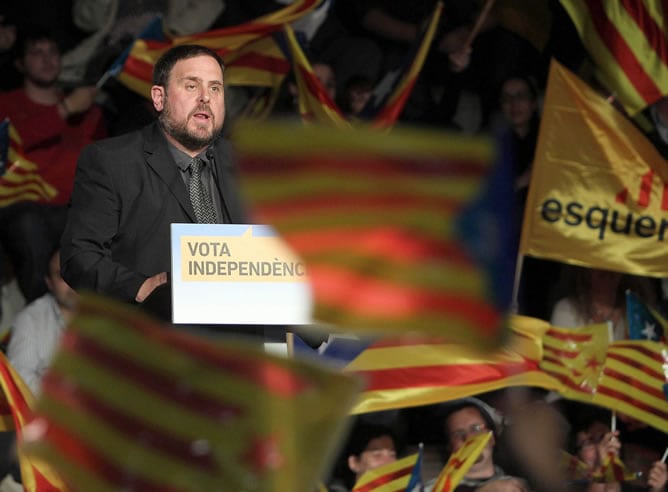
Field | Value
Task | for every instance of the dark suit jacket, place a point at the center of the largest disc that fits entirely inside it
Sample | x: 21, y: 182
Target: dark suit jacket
x: 127, y: 192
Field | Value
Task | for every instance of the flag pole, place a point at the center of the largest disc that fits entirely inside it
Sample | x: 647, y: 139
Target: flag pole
x: 613, y: 418
x: 514, y: 306
x: 103, y: 79
x: 484, y: 13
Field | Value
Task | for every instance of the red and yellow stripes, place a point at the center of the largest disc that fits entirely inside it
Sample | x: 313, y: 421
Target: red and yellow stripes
x: 460, y: 462
x: 633, y: 379
x: 575, y: 357
x: 187, y: 411
x: 395, y: 103
x: 627, y: 41
x: 251, y: 55
x: 392, y: 477
x: 21, y: 180
x: 314, y: 102
x: 417, y: 370
x: 16, y: 414
x: 373, y: 216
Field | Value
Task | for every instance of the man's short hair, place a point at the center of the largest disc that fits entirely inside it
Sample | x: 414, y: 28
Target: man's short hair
x: 31, y: 34
x: 165, y: 64
x: 491, y: 417
x: 364, y: 432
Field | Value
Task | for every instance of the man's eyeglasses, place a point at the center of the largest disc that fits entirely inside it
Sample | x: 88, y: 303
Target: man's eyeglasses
x: 463, y: 434
x: 521, y: 96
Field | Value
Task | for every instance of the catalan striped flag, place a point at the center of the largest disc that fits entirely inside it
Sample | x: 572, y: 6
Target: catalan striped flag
x: 575, y: 358
x: 15, y: 413
x: 574, y: 468
x: 389, y: 104
x: 19, y: 179
x: 249, y: 51
x: 414, y: 370
x: 375, y: 218
x: 399, y: 476
x: 632, y: 381
x: 644, y: 322
x: 627, y: 41
x: 314, y: 103
x: 612, y: 469
x: 460, y: 462
x: 130, y: 404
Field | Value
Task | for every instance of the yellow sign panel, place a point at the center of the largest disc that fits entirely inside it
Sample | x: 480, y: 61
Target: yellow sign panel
x: 245, y: 258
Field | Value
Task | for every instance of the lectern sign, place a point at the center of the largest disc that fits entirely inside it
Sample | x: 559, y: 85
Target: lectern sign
x: 236, y: 274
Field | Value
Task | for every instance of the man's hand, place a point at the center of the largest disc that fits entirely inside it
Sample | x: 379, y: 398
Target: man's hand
x: 79, y: 100
x: 149, y: 285
x: 657, y: 477
x: 609, y: 445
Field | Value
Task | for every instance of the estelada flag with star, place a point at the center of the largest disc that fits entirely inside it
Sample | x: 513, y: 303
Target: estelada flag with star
x: 460, y: 462
x: 644, y: 322
x: 130, y: 404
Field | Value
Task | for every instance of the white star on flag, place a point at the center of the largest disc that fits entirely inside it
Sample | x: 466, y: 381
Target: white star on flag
x: 649, y: 331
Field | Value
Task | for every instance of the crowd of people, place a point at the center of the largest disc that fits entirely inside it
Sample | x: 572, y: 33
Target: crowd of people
x: 107, y: 224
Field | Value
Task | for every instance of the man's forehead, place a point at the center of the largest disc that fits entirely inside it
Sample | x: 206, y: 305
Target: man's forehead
x: 198, y: 65
x: 379, y: 442
x: 466, y: 415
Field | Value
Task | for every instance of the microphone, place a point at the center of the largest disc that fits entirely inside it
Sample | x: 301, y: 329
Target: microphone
x: 227, y: 218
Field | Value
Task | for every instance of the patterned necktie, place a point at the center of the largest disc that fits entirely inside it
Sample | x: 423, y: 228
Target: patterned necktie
x: 199, y: 197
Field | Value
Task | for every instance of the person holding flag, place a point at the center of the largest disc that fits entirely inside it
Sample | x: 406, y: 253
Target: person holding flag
x: 53, y: 127
x: 468, y: 417
x: 369, y: 446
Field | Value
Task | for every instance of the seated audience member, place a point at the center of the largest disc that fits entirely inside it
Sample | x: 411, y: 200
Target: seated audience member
x: 356, y: 95
x: 37, y: 328
x: 598, y: 296
x: 369, y: 446
x: 468, y: 417
x: 593, y: 442
x: 53, y: 127
x: 287, y: 104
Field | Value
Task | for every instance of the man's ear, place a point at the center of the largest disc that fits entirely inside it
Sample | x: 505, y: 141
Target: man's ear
x: 353, y: 463
x: 18, y: 63
x: 158, y: 97
x: 49, y: 283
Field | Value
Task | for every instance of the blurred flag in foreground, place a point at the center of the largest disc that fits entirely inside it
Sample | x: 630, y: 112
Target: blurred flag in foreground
x: 398, y: 476
x: 644, y: 322
x: 15, y: 413
x: 19, y: 178
x: 376, y: 218
x: 131, y: 404
x: 459, y: 463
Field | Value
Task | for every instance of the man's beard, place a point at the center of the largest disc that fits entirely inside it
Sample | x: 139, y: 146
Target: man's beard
x: 41, y: 82
x: 180, y: 132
